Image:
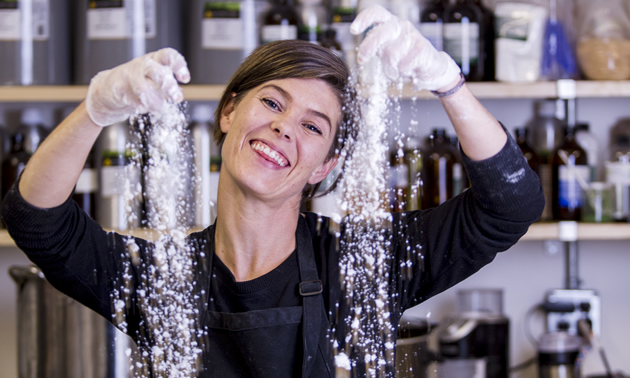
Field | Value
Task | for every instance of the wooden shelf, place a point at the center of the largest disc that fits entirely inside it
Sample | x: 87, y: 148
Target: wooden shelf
x: 539, y: 90
x: 537, y: 232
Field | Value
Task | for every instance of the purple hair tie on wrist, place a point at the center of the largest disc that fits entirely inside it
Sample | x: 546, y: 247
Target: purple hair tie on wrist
x: 460, y: 84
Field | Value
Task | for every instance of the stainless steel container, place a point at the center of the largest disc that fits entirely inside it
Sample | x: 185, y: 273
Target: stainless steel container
x: 58, y: 337
x: 412, y: 348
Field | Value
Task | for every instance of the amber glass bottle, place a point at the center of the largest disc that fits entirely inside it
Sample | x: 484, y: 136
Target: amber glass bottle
x: 413, y: 160
x: 14, y: 162
x: 437, y: 173
x: 567, y: 194
x: 87, y: 187
x: 531, y: 156
x: 399, y: 180
x: 487, y: 38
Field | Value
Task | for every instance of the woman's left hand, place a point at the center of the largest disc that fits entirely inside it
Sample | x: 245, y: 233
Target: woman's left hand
x: 403, y: 51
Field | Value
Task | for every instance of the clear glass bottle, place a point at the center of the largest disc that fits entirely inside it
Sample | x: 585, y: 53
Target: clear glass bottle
x: 312, y: 18
x: 568, y: 161
x: 463, y: 38
x: 590, y: 144
x: 618, y: 174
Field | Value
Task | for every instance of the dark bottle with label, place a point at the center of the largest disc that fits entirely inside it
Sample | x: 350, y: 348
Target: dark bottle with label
x: 431, y: 22
x: 14, y: 163
x: 86, y: 189
x: 568, y: 160
x: 280, y: 22
x: 437, y: 165
x: 463, y: 38
x: 460, y: 178
x: 487, y: 39
x: 530, y: 155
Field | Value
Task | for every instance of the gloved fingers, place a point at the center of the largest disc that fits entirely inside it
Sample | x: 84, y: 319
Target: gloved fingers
x: 143, y: 94
x: 377, y: 38
x: 398, y: 49
x: 371, y: 16
x: 415, y: 59
x: 162, y: 77
x: 172, y: 58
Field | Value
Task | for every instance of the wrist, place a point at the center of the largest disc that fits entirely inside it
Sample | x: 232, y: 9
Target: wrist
x: 451, y: 88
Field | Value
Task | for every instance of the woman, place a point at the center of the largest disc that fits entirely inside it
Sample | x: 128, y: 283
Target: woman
x: 270, y: 284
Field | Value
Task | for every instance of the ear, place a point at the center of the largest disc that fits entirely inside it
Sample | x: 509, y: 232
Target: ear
x: 323, y: 170
x: 227, y: 114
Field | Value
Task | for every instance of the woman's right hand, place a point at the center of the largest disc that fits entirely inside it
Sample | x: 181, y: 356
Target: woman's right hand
x: 142, y: 85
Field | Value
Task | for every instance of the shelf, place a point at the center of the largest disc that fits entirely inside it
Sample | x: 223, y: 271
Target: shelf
x: 539, y: 90
x: 537, y: 232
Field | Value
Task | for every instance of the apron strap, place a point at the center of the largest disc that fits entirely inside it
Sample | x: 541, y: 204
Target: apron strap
x: 310, y: 289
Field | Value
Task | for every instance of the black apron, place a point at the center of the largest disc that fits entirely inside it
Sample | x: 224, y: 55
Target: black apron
x: 264, y: 343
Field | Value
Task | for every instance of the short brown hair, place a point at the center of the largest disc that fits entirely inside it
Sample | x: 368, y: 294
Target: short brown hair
x: 292, y: 59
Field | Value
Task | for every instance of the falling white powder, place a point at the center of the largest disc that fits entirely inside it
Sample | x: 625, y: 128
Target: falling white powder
x: 166, y: 293
x: 365, y: 247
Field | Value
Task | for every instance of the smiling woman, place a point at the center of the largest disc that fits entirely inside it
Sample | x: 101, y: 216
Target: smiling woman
x: 267, y: 277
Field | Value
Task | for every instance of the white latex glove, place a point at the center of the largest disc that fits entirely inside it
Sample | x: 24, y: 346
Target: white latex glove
x: 142, y: 85
x: 403, y: 51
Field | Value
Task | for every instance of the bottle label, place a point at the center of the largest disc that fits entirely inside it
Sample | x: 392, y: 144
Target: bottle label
x: 570, y: 194
x: 222, y: 26
x: 458, y: 179
x: 88, y: 181
x: 114, y: 19
x: 461, y: 42
x: 433, y: 32
x: 12, y: 18
x: 513, y: 26
x: 272, y: 33
x: 617, y: 173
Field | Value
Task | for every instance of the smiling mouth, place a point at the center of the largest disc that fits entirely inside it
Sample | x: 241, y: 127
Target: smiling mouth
x: 269, y: 153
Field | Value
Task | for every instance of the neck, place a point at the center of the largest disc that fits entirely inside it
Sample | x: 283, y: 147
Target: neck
x: 253, y: 236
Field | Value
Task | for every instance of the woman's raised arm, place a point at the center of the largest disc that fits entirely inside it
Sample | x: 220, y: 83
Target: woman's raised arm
x: 139, y: 86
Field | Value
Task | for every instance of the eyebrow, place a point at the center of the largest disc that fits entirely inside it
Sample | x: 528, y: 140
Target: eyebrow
x: 290, y: 98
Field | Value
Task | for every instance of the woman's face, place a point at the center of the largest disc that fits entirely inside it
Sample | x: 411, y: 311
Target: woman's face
x: 278, y: 137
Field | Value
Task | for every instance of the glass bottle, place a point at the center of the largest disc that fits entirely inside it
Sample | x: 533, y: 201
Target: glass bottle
x: 431, y: 22
x: 329, y: 41
x: 618, y: 174
x: 343, y: 13
x: 488, y: 37
x: 585, y: 138
x: 437, y: 173
x: 568, y: 161
x: 413, y: 160
x: 463, y: 36
x: 87, y: 187
x: 14, y: 162
x: 530, y: 155
x: 280, y: 22
x: 460, y: 178
x: 312, y: 17
x: 399, y: 180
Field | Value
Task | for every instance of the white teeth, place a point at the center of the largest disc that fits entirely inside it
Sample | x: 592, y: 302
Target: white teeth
x: 269, y: 152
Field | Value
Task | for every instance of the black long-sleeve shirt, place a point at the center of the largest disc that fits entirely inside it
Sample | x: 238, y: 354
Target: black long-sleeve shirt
x: 457, y: 238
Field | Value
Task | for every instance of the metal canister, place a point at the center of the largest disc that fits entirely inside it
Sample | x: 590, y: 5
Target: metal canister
x: 59, y: 337
x: 557, y: 354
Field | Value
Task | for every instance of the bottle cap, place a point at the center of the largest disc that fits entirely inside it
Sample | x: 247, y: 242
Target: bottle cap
x: 582, y: 126
x: 32, y: 117
x: 202, y: 113
x: 520, y: 131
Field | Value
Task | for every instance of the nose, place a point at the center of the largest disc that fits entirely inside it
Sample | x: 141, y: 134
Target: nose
x: 283, y: 128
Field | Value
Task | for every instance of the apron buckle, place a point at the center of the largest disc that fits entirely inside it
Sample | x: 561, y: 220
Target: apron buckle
x: 308, y: 288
